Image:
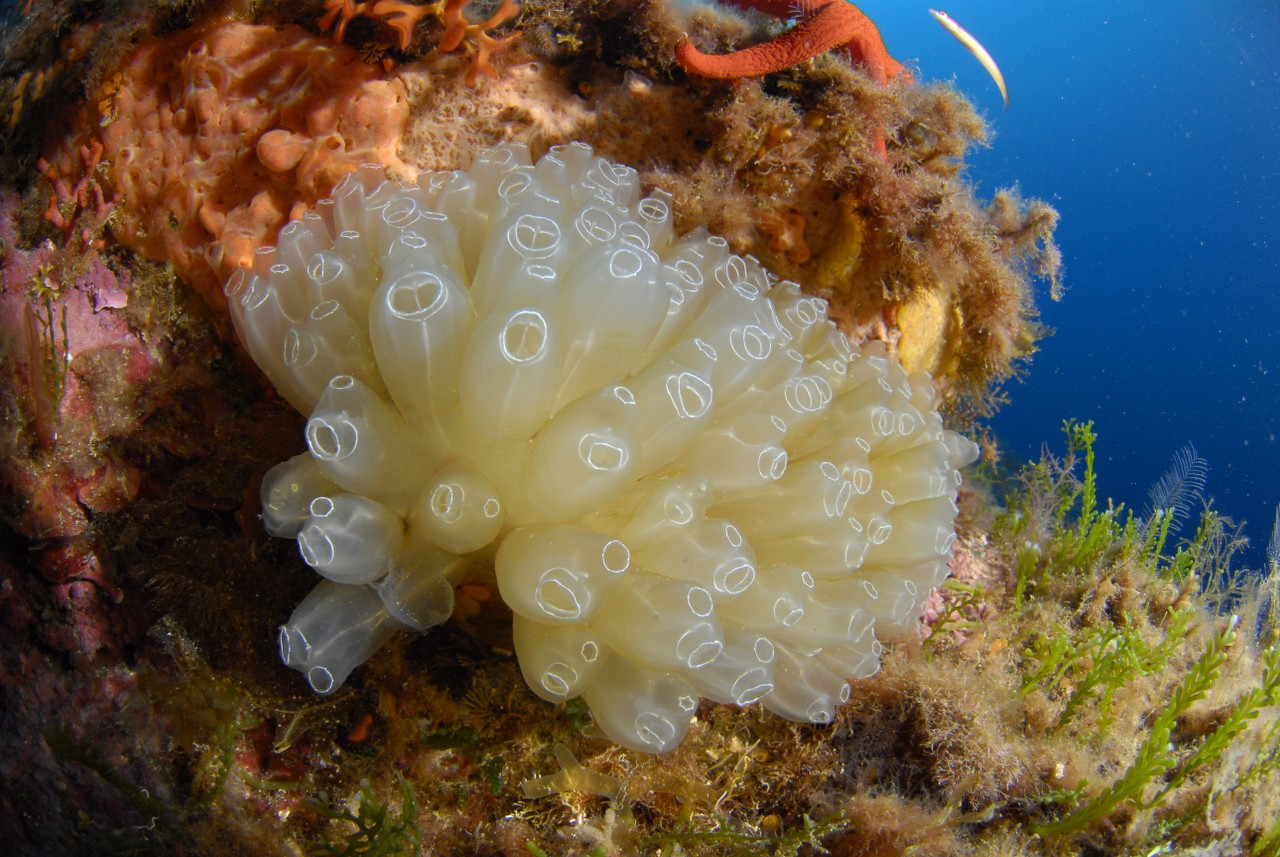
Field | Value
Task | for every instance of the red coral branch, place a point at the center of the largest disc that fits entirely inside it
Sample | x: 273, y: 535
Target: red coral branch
x: 82, y: 205
x: 404, y: 17
x: 455, y: 24
x: 343, y: 11
x: 486, y: 45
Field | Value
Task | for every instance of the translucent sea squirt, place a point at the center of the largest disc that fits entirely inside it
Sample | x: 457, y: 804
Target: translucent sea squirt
x: 686, y: 480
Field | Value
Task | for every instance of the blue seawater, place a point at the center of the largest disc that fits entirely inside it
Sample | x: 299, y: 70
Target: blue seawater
x: 1154, y: 128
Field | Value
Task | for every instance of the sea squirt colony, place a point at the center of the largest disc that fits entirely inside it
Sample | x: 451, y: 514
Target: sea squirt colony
x: 684, y: 478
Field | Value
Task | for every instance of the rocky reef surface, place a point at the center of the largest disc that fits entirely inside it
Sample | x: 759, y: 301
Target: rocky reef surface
x: 1073, y: 689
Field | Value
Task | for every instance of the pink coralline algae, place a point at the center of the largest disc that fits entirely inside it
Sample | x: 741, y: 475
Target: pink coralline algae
x: 81, y: 206
x: 972, y: 564
x: 69, y: 345
x: 74, y: 374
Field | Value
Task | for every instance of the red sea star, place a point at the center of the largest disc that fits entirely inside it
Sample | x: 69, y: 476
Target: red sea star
x: 827, y: 24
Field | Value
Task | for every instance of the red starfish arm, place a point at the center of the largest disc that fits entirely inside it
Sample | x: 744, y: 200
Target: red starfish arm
x: 831, y: 23
x: 868, y: 48
x: 816, y: 34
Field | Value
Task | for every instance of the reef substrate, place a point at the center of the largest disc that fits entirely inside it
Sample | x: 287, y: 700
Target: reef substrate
x: 152, y: 151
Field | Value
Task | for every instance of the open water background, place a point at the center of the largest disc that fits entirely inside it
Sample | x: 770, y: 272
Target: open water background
x: 1154, y: 128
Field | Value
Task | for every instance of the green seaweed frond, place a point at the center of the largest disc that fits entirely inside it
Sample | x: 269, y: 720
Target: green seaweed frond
x: 1208, y: 554
x: 1153, y: 538
x: 1080, y: 439
x: 1055, y: 653
x: 1109, y: 656
x: 1099, y: 660
x: 1268, y: 845
x: 1120, y: 654
x: 1025, y: 567
x: 966, y: 600
x: 1190, y: 556
x: 1095, y: 532
x: 1155, y: 757
x: 378, y: 832
x: 1265, y: 694
x: 1054, y: 522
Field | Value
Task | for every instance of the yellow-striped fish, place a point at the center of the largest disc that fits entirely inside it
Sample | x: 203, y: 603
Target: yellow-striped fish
x: 975, y: 47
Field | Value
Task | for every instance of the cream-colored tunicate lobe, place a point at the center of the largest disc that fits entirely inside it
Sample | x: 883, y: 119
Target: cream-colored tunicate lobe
x: 685, y: 480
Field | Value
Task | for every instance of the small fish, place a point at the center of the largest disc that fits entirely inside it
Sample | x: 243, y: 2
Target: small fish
x: 975, y: 47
